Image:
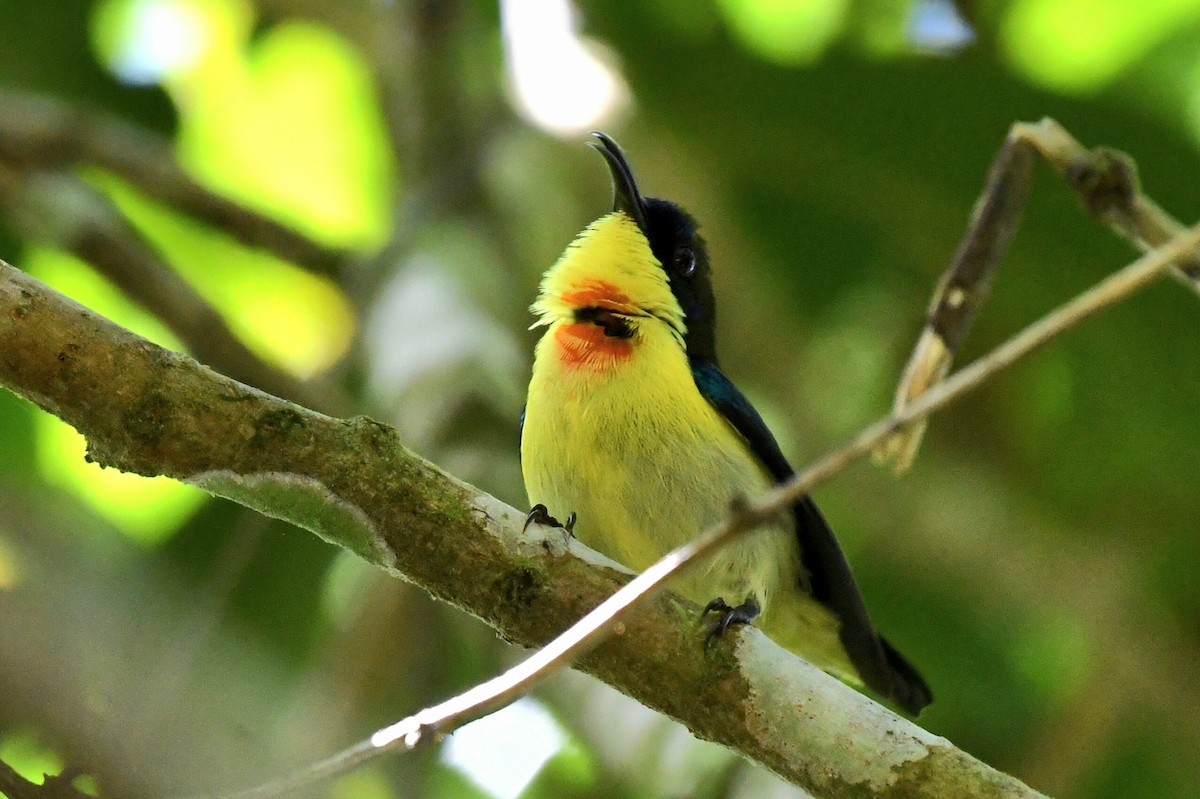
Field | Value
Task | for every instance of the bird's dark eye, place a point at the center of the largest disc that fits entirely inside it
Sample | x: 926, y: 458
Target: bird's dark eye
x: 685, y: 261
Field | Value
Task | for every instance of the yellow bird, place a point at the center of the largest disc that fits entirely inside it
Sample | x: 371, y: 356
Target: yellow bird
x: 631, y: 427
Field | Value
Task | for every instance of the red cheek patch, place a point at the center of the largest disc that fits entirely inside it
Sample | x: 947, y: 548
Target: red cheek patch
x: 597, y: 294
x: 584, y: 344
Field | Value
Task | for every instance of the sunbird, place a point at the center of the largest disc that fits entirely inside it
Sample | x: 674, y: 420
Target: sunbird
x: 631, y: 427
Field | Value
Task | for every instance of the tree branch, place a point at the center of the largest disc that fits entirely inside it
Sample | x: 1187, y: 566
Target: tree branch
x: 150, y: 411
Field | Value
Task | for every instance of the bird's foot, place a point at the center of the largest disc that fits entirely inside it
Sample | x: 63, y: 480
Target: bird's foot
x: 728, y: 615
x: 540, y: 514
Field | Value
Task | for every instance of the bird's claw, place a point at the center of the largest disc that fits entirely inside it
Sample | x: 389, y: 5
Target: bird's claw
x: 744, y: 613
x: 540, y: 514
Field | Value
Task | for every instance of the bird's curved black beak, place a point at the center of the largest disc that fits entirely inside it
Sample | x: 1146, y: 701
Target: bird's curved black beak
x: 626, y: 196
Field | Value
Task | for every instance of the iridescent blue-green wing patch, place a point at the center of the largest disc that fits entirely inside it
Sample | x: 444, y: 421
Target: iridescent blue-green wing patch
x: 830, y: 580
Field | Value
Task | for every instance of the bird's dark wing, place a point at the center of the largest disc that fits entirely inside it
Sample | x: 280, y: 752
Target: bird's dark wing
x: 819, y: 550
x: 732, y: 404
x: 830, y: 580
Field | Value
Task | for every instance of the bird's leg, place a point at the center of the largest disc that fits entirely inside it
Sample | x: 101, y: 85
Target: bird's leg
x: 540, y: 514
x: 742, y: 614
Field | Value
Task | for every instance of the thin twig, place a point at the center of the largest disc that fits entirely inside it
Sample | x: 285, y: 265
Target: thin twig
x: 488, y: 697
x: 963, y: 289
x: 1107, y: 185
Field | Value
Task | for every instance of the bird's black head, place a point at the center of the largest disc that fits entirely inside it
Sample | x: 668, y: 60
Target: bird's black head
x: 676, y: 244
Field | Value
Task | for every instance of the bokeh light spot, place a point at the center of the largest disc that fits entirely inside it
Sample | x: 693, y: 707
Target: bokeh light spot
x: 286, y: 122
x: 560, y: 81
x: 147, y: 509
x: 786, y: 31
x: 503, y: 752
x: 287, y: 316
x: 28, y: 756
x: 144, y: 41
x: 1080, y: 46
x: 937, y: 26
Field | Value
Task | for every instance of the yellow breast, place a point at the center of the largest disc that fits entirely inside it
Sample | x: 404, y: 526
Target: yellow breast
x: 617, y: 432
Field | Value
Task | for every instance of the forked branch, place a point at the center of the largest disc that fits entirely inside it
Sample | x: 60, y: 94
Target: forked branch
x: 1107, y: 184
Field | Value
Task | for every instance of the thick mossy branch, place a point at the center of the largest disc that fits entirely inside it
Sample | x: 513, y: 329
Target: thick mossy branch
x: 146, y: 410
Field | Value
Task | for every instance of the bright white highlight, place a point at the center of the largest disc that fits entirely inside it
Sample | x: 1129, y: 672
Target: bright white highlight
x: 937, y: 25
x: 560, y: 81
x: 503, y: 752
x: 161, y: 37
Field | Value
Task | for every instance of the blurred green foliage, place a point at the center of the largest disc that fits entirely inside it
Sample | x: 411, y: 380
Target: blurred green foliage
x: 1038, y: 563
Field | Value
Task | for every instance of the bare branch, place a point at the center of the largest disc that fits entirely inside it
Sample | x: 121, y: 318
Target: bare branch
x: 1107, y: 184
x: 1106, y: 181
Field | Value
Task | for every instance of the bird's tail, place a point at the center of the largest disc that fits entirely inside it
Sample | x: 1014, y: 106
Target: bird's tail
x: 909, y: 689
